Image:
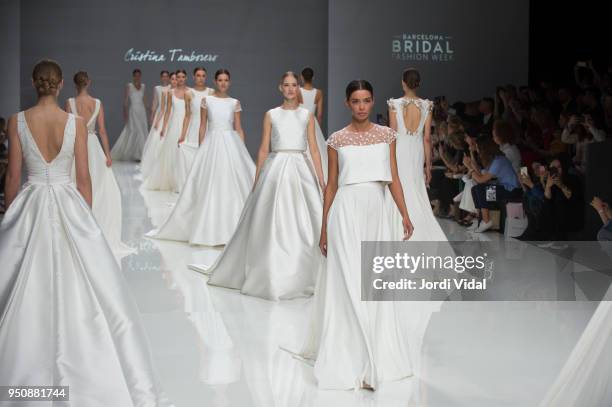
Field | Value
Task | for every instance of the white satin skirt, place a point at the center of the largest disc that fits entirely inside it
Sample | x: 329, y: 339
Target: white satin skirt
x: 213, y: 196
x: 355, y: 341
x: 67, y: 317
x: 150, y: 151
x: 131, y: 141
x: 274, y: 253
x: 106, y: 197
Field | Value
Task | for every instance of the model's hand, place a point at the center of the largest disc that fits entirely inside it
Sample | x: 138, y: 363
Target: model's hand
x: 181, y: 140
x: 109, y: 161
x: 428, y: 175
x: 408, y: 228
x: 323, y: 243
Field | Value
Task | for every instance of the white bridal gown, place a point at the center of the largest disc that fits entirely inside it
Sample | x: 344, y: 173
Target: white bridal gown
x: 189, y: 147
x: 274, y: 253
x: 355, y: 341
x: 164, y: 174
x: 153, y: 143
x: 67, y: 317
x: 308, y: 101
x: 106, y: 196
x: 131, y: 141
x: 218, y: 184
x: 410, y: 155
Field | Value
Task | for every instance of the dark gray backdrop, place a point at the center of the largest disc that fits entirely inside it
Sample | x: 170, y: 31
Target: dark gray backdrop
x: 257, y: 41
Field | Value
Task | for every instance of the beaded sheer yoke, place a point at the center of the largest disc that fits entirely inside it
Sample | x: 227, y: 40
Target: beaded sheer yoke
x: 377, y: 134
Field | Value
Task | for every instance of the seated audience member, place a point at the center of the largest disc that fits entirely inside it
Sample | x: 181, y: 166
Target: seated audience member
x: 496, y: 184
x: 533, y: 200
x: 502, y: 136
x: 605, y: 213
x: 487, y: 110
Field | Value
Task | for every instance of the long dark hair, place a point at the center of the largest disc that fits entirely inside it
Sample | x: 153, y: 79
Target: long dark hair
x: 358, y: 84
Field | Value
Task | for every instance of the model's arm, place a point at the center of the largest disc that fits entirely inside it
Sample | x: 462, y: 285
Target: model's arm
x: 154, y: 105
x: 104, y: 136
x: 15, y: 157
x: 427, y: 148
x: 81, y: 163
x: 264, y: 147
x: 162, y: 110
x: 166, y: 113
x: 319, y: 102
x: 237, y: 122
x: 203, y: 121
x: 329, y: 195
x: 314, y: 151
x: 67, y: 107
x: 397, y: 193
x: 187, y: 118
x: 392, y: 118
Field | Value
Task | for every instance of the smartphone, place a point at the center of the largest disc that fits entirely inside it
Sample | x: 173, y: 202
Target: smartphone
x: 452, y: 111
x: 581, y: 64
x: 524, y: 172
x: 554, y: 171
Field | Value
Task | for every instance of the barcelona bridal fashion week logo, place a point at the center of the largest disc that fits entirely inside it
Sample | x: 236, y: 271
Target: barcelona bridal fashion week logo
x: 422, y: 47
x: 170, y: 55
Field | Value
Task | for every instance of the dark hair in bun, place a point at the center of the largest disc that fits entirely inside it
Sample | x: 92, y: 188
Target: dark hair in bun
x: 47, y: 76
x: 222, y: 72
x: 81, y: 79
x: 412, y: 78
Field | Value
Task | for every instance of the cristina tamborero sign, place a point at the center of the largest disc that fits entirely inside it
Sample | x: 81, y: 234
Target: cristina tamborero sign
x: 170, y: 55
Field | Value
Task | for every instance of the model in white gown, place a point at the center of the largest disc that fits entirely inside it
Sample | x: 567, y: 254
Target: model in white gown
x: 274, y: 253
x: 190, y: 143
x: 106, y: 196
x: 153, y: 143
x: 67, y: 317
x: 309, y: 101
x: 356, y: 343
x: 411, y: 147
x: 166, y: 172
x: 586, y: 376
x: 131, y: 141
x: 212, y: 199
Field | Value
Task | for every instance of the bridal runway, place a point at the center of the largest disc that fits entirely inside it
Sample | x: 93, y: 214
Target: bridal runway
x: 216, y: 347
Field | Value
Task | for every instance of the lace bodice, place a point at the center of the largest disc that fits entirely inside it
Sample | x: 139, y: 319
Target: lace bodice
x: 39, y: 171
x: 397, y: 106
x: 363, y: 156
x: 220, y: 112
x: 91, y: 124
x: 289, y: 129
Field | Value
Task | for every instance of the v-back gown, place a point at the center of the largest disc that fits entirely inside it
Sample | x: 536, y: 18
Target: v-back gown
x: 106, y: 196
x: 67, y: 317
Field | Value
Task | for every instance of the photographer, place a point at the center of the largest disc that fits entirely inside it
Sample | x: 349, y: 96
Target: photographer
x: 562, y: 212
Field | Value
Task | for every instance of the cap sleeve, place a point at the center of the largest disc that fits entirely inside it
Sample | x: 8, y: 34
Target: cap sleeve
x: 391, y: 104
x: 238, y: 107
x: 429, y: 106
x: 203, y: 105
x: 389, y: 135
x: 333, y: 141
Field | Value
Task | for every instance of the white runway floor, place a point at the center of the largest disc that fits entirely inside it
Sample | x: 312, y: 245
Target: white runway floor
x: 216, y: 347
